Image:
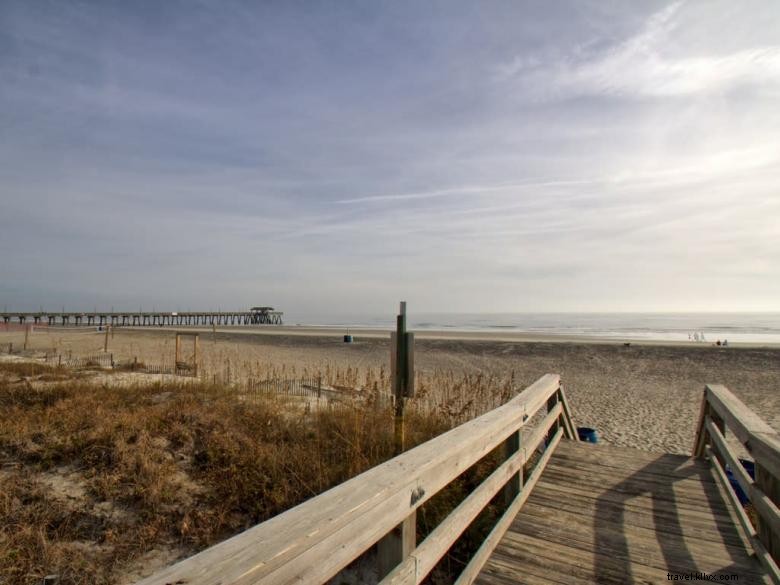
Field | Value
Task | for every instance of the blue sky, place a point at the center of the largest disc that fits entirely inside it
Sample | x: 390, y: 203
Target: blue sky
x: 488, y: 156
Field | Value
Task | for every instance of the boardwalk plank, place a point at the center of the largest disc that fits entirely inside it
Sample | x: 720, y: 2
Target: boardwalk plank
x: 604, y: 514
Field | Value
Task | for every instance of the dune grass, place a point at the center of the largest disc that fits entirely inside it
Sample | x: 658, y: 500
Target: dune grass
x: 95, y: 477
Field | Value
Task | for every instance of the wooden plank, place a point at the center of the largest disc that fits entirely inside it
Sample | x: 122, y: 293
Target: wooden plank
x: 690, y: 526
x: 641, y: 503
x: 651, y: 472
x: 590, y: 567
x: 762, y: 554
x: 667, y: 474
x: 626, y: 457
x: 698, y: 442
x: 552, y: 402
x: 738, y: 417
x: 438, y: 542
x: 765, y: 448
x: 512, y: 487
x: 397, y: 546
x: 567, y: 417
x: 691, y: 495
x: 521, y: 567
x: 476, y: 563
x: 719, y: 444
x: 765, y: 496
x: 605, y: 530
x: 313, y: 541
x: 631, y: 548
x: 594, y: 519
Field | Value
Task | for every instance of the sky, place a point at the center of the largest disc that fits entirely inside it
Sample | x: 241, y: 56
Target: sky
x: 341, y: 156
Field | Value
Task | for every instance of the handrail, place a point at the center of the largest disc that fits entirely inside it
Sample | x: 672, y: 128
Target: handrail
x: 313, y: 541
x: 722, y: 410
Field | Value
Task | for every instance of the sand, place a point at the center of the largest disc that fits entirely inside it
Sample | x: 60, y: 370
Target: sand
x: 646, y: 395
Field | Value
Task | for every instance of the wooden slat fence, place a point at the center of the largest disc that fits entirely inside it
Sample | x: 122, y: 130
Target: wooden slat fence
x: 102, y: 360
x: 721, y: 411
x: 308, y: 387
x: 314, y: 541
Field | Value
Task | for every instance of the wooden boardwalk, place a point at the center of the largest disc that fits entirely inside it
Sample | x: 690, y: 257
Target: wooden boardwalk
x: 575, y: 513
x: 605, y: 514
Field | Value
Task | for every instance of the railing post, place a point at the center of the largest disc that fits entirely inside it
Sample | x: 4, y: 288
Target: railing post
x: 551, y: 402
x: 397, y: 545
x: 718, y: 422
x: 771, y: 487
x: 701, y: 431
x: 515, y: 483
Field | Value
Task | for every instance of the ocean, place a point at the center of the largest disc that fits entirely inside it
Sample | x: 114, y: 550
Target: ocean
x: 734, y: 327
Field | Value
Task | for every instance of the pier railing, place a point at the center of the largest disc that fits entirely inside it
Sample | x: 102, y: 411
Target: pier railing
x: 721, y: 410
x: 317, y: 539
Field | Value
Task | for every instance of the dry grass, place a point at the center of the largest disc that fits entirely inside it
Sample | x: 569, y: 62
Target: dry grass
x: 94, y: 478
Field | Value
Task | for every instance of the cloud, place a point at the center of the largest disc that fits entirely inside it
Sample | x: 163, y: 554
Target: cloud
x: 648, y: 64
x: 464, y: 190
x: 310, y: 157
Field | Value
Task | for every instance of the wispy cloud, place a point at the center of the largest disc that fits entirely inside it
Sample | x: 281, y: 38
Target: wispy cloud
x: 648, y: 64
x: 464, y: 190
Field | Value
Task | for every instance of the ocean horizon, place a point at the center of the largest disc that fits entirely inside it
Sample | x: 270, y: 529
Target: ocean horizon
x: 734, y: 327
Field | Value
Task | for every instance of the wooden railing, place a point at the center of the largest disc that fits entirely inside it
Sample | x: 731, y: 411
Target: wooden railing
x: 315, y: 540
x: 721, y: 410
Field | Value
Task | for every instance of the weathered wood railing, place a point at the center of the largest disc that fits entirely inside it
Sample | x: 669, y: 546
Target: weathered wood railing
x: 315, y: 540
x: 722, y: 410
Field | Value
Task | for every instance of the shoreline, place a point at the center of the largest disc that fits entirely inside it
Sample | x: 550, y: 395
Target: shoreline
x: 634, y: 396
x: 452, y: 335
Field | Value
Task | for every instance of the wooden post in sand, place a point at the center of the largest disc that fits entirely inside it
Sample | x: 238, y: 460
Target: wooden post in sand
x: 197, y: 347
x: 178, y: 362
x: 402, y: 373
x: 105, y: 341
x: 399, y: 543
x: 26, y: 335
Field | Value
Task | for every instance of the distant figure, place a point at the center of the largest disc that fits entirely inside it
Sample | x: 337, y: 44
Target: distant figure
x: 696, y: 336
x: 717, y: 343
x: 702, y: 337
x: 689, y: 336
x: 725, y: 343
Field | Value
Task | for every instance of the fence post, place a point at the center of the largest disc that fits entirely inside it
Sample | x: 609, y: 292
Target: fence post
x: 26, y: 336
x: 196, y: 356
x: 319, y: 386
x: 399, y: 543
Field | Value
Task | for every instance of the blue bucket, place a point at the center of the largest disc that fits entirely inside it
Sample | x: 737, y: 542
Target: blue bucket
x: 587, y: 434
x: 750, y: 467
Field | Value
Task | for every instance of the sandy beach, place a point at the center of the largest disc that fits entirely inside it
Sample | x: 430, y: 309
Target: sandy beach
x: 646, y: 395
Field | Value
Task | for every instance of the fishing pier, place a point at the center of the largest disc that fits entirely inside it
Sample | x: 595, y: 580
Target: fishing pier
x: 254, y: 316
